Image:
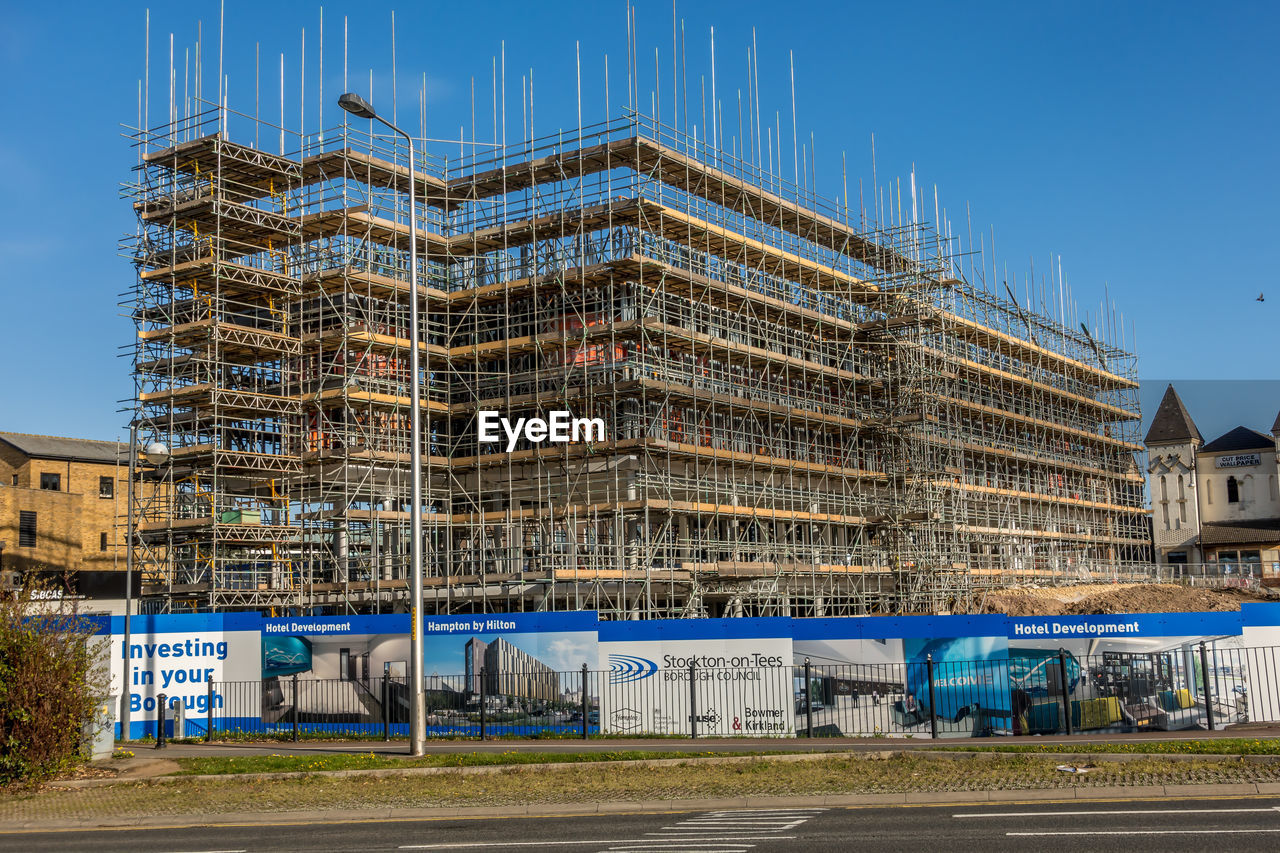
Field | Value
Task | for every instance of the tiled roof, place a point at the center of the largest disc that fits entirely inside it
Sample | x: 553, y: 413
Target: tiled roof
x: 72, y: 449
x: 1260, y: 532
x: 1172, y: 423
x: 1240, y: 438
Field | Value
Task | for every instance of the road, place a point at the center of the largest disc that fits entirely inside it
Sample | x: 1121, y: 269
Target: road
x: 1238, y: 824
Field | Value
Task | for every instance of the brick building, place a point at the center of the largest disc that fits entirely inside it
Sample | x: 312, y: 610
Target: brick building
x: 62, y: 508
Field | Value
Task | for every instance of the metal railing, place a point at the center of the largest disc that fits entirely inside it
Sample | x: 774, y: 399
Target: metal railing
x: 1245, y: 573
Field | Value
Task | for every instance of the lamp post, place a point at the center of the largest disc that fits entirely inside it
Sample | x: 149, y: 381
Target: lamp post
x: 361, y: 108
x: 157, y: 454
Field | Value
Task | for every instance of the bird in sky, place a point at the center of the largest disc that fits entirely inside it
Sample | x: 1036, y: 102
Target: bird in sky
x: 1262, y: 298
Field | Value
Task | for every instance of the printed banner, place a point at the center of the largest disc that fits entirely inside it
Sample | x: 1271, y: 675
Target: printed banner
x: 992, y: 674
x: 179, y: 656
x: 724, y: 676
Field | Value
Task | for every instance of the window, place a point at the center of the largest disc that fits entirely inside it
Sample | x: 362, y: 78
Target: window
x: 14, y: 481
x: 106, y: 487
x: 1233, y: 491
x: 51, y: 482
x: 1164, y: 488
x: 26, y: 529
x: 1165, y: 507
x: 102, y: 541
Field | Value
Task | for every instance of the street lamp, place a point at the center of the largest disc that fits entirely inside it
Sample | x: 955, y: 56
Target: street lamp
x: 361, y: 108
x: 156, y: 454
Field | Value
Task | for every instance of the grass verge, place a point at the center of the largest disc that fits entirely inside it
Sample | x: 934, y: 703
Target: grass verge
x: 1215, y: 746
x: 225, y: 765
x: 837, y: 774
x: 286, y: 736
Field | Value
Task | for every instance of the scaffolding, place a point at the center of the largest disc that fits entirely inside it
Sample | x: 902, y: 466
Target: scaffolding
x: 805, y: 415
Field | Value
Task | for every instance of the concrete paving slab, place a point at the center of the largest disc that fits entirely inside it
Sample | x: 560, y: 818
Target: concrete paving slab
x: 1034, y: 794
x: 854, y: 800
x: 952, y: 796
x: 1211, y: 790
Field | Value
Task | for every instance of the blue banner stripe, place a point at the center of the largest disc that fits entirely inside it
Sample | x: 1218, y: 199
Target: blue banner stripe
x: 748, y: 628
x: 1225, y: 623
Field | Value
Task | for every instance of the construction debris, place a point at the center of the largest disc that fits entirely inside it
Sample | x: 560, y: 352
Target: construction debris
x: 1094, y: 599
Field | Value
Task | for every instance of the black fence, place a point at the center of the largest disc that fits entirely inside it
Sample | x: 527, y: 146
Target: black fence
x: 1026, y: 692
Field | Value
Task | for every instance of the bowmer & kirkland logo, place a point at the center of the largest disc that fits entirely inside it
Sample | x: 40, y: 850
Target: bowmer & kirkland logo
x: 627, y: 668
x: 560, y: 427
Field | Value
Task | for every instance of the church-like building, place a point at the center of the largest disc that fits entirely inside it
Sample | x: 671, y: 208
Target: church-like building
x: 1217, y: 502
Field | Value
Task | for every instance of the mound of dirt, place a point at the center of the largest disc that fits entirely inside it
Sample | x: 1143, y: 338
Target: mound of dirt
x: 1160, y: 598
x: 1094, y: 599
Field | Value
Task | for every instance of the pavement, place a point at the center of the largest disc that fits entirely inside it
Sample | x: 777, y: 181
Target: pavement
x: 1243, y: 816
x: 1133, y: 820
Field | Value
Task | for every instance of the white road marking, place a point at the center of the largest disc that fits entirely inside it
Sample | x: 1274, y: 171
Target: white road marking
x: 704, y: 833
x: 1146, y: 832
x: 776, y: 826
x: 1103, y: 812
x: 748, y: 820
x: 726, y: 832
x: 477, y: 845
x: 704, y: 828
x: 710, y: 846
x: 771, y: 811
x: 714, y: 831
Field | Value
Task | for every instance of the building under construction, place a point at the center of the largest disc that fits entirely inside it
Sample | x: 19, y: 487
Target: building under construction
x: 806, y: 413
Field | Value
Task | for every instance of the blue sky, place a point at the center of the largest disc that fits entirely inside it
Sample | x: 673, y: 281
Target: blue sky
x: 1135, y: 140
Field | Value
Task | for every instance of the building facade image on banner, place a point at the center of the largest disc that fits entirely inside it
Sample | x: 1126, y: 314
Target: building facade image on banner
x: 725, y: 676
x: 524, y: 668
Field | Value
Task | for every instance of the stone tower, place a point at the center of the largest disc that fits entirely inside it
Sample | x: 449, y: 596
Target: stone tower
x: 1171, y: 444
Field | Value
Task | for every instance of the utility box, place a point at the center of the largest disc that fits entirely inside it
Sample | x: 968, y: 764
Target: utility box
x: 178, y: 713
x: 99, y: 735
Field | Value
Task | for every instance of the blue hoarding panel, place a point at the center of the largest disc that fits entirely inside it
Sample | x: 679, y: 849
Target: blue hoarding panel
x: 1224, y: 623
x: 649, y: 630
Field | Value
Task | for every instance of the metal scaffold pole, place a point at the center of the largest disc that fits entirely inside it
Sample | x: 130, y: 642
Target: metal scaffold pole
x: 783, y: 407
